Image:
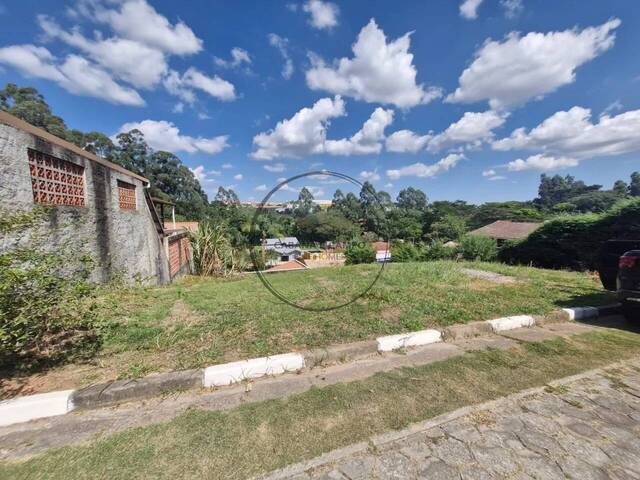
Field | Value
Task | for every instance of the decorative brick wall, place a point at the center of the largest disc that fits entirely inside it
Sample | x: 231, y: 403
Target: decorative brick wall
x: 55, y: 181
x: 179, y: 254
x: 126, y: 195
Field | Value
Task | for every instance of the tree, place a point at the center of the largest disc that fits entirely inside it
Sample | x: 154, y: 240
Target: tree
x: 305, y: 204
x: 373, y: 205
x: 338, y: 200
x: 450, y: 227
x: 515, y: 211
x: 594, y: 202
x: 634, y: 186
x: 29, y: 105
x: 620, y: 188
x: 226, y: 197
x: 411, y: 199
x: 559, y: 189
x: 326, y: 226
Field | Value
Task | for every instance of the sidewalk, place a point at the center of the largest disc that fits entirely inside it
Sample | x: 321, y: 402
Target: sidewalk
x: 583, y: 427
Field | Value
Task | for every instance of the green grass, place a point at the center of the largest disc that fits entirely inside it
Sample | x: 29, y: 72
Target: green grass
x: 260, y: 437
x: 199, y: 322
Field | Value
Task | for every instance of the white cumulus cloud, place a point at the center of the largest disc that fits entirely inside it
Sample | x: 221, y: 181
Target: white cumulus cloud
x: 540, y: 162
x: 239, y: 56
x: 421, y: 170
x: 372, y: 176
x: 512, y: 71
x: 469, y: 9
x: 163, y: 135
x: 368, y: 140
x: 572, y: 133
x: 275, y: 168
x: 379, y: 72
x: 139, y: 21
x: 324, y: 15
x: 406, y: 141
x: 238, y: 177
x: 473, y: 128
x: 76, y: 74
x: 183, y: 85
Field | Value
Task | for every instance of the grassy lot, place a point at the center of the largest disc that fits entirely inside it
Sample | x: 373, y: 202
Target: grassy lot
x: 260, y: 437
x: 199, y: 322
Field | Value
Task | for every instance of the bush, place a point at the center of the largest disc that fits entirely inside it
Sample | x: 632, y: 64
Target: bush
x: 574, y: 241
x: 437, y: 251
x: 213, y: 254
x: 404, y: 252
x: 359, y: 253
x: 46, y: 309
x: 475, y: 247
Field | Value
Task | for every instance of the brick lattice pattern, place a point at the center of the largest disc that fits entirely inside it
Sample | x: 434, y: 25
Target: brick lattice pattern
x: 127, y: 195
x: 56, y: 181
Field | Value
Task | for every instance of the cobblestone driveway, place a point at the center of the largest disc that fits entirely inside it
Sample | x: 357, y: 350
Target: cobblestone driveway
x: 584, y: 428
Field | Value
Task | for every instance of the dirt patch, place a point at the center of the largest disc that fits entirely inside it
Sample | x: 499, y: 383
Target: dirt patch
x: 481, y: 285
x: 181, y: 314
x: 391, y: 314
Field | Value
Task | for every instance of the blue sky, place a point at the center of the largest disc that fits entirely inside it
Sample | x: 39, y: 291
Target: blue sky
x: 466, y: 100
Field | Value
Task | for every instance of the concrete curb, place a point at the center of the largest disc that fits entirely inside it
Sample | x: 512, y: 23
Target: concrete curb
x: 236, y: 372
x: 411, y: 339
x: 32, y: 407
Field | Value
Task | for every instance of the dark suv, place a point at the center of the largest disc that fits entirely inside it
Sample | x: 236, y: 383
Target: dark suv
x: 628, y: 284
x: 621, y: 275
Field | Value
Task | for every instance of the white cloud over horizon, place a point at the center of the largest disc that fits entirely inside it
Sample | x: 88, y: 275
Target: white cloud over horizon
x: 379, y: 72
x: 164, y: 135
x: 421, y: 170
x: 510, y: 72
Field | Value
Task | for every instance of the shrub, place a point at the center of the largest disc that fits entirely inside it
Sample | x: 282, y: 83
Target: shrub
x: 476, y: 247
x: 213, y: 254
x: 404, y: 252
x: 574, y: 241
x: 359, y: 253
x: 437, y: 251
x: 46, y: 307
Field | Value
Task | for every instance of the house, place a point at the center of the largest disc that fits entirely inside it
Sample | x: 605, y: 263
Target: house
x: 91, y: 207
x: 503, y: 230
x: 288, y: 248
x: 383, y: 251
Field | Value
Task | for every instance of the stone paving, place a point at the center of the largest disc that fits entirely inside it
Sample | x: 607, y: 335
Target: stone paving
x: 584, y: 428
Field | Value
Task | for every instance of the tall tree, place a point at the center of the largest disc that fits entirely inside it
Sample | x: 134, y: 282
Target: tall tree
x: 620, y: 188
x: 634, y: 186
x: 412, y: 199
x: 305, y: 205
x: 29, y: 105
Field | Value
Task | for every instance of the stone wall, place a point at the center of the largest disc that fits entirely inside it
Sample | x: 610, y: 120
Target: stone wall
x: 123, y: 243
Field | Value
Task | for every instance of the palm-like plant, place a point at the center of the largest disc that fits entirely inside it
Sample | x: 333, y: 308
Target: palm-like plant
x: 213, y: 254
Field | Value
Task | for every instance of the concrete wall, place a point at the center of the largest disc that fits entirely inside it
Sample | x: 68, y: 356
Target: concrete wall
x: 123, y: 243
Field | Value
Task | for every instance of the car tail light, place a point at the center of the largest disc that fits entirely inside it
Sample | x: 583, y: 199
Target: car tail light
x: 627, y: 262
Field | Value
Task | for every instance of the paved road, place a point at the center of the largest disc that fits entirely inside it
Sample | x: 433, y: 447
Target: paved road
x: 584, y: 428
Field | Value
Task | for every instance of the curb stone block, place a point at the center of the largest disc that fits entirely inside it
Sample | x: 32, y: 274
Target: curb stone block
x: 510, y: 323
x: 235, y: 372
x: 411, y: 339
x: 339, y: 353
x: 31, y: 407
x: 125, y: 390
x: 468, y: 330
x: 582, y: 313
x: 555, y: 316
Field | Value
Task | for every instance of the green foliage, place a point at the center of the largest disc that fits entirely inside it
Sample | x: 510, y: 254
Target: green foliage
x: 449, y: 227
x: 574, y: 241
x: 46, y: 307
x: 558, y: 189
x: 325, y: 226
x: 514, y: 211
x: 359, y: 253
x: 404, y: 252
x: 634, y: 186
x: 476, y: 247
x: 437, y: 251
x: 213, y: 254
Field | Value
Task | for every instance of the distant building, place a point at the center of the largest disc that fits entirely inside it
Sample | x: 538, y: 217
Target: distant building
x: 287, y: 247
x: 383, y: 251
x: 503, y: 230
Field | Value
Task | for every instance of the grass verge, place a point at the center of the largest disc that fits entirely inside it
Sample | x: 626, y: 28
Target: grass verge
x: 200, y: 322
x: 261, y: 437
